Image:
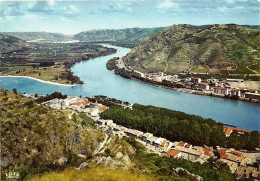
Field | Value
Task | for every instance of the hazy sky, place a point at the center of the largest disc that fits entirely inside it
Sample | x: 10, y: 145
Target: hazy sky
x: 71, y: 17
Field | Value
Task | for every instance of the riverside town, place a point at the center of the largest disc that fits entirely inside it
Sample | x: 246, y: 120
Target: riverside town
x: 129, y: 90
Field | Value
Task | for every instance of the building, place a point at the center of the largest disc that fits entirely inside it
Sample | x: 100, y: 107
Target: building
x: 235, y: 92
x: 220, y: 91
x: 252, y: 95
x: 173, y: 153
x: 229, y: 130
x: 195, y: 80
x: 248, y: 172
x: 203, y: 86
x: 137, y: 73
x: 157, y: 78
x: 235, y: 80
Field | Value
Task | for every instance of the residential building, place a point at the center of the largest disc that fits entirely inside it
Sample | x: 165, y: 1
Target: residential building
x: 203, y: 86
x: 229, y: 130
x: 220, y: 91
x: 252, y: 95
x: 173, y: 153
x: 195, y: 80
x: 235, y: 92
x: 137, y: 73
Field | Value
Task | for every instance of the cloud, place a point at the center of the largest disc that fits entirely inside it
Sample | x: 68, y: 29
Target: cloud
x: 31, y: 17
x: 13, y: 9
x: 73, y: 8
x: 222, y: 9
x: 42, y: 7
x: 48, y: 7
x: 118, y: 8
x: 166, y: 4
x: 63, y: 19
x: 225, y: 9
x: 51, y: 2
x: 69, y: 11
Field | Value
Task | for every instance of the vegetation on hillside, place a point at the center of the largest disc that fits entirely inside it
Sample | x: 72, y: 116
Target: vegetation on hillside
x: 11, y: 43
x: 46, y: 61
x: 129, y: 37
x: 162, y: 167
x: 94, y: 174
x: 179, y: 126
x: 228, y: 49
x: 28, y: 36
x: 35, y: 138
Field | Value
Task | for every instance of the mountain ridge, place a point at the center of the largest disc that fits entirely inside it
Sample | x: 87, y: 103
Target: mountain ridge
x: 228, y: 48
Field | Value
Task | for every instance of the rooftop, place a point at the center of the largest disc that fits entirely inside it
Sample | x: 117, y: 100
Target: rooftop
x: 173, y: 152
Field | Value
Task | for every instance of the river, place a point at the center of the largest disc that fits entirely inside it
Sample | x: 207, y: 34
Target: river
x: 100, y: 81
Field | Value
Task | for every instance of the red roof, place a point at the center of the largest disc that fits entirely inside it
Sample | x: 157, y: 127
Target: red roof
x: 102, y: 108
x: 220, y: 88
x: 228, y: 130
x: 173, y: 152
x: 181, y: 144
x: 236, y: 153
x: 77, y: 103
x: 241, y: 130
x: 202, y: 83
x: 208, y: 153
x: 145, y: 149
x: 222, y: 153
x: 194, y: 77
x: 235, y: 90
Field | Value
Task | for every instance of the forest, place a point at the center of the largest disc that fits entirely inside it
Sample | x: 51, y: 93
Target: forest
x: 179, y: 126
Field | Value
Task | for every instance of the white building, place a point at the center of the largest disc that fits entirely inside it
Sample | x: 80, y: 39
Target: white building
x: 195, y: 80
x: 220, y: 91
x: 138, y: 74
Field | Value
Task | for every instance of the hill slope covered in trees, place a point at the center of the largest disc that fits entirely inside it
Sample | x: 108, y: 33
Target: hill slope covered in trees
x: 11, y: 43
x: 128, y: 37
x: 226, y: 48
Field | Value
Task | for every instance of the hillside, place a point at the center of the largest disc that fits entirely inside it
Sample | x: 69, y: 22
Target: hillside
x: 37, y: 139
x: 34, y: 135
x: 215, y: 49
x: 124, y: 37
x: 11, y: 43
x: 29, y: 36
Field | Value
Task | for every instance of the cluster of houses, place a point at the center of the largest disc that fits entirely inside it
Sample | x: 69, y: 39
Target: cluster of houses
x: 78, y: 104
x: 234, y: 159
x: 237, y: 161
x: 159, y: 145
x: 206, y: 86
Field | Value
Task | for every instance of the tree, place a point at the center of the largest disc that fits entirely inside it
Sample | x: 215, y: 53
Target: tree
x: 14, y: 90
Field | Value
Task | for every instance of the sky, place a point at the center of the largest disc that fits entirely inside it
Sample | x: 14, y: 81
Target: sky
x: 71, y: 17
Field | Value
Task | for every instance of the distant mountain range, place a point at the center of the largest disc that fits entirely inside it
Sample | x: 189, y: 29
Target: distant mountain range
x: 129, y: 37
x: 226, y: 48
x: 11, y: 43
x: 29, y: 36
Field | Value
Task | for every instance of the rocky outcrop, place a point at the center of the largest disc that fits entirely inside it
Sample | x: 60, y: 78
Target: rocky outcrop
x: 184, y: 173
x: 110, y: 162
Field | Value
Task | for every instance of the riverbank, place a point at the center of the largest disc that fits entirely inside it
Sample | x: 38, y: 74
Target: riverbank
x: 115, y: 65
x: 190, y: 91
x: 39, y: 80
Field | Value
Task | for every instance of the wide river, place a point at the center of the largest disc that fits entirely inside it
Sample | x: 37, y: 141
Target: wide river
x: 100, y: 81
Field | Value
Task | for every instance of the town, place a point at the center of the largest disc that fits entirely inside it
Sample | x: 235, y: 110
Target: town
x: 241, y: 162
x: 191, y: 83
